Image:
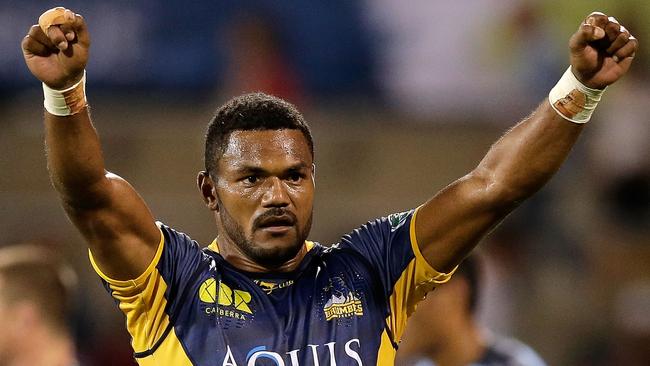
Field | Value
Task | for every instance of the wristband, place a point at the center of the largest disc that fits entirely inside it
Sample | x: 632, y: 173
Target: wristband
x: 573, y: 100
x: 66, y: 102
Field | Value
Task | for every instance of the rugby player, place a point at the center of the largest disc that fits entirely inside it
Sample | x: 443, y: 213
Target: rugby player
x: 35, y: 291
x: 453, y: 337
x: 261, y: 293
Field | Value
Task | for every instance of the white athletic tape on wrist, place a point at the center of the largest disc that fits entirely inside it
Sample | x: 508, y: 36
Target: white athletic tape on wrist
x: 573, y: 100
x: 66, y: 102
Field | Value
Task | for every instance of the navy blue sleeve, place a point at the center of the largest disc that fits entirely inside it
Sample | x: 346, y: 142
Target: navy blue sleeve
x: 390, y: 246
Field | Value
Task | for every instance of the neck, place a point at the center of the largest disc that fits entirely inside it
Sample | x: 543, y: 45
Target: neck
x: 235, y: 256
x: 463, y: 348
x: 45, y: 347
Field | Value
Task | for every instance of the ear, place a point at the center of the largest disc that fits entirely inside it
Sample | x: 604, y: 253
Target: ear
x: 208, y: 190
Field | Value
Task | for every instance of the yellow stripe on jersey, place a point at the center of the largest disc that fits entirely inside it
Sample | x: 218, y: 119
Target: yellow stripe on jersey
x: 386, y: 353
x: 309, y: 244
x: 143, y: 302
x: 169, y: 353
x: 415, y: 282
x: 214, y: 246
x: 142, y: 278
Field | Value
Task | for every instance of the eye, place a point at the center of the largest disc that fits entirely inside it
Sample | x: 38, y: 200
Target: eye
x: 251, y: 179
x: 295, y: 176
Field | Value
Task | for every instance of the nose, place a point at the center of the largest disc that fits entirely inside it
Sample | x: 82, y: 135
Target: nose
x: 276, y: 194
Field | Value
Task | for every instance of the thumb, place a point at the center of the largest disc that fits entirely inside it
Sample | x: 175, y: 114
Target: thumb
x: 49, y: 22
x: 586, y: 33
x: 59, y: 24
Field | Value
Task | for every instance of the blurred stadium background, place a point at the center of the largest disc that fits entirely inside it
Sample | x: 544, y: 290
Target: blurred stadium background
x: 403, y: 97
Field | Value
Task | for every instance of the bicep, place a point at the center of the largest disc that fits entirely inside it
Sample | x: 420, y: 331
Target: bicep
x: 516, y: 166
x: 451, y: 223
x: 119, y: 229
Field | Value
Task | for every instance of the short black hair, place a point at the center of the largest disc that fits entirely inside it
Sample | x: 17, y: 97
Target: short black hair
x: 248, y: 112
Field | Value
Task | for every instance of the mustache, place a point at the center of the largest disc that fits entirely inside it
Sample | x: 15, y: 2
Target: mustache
x: 275, y: 216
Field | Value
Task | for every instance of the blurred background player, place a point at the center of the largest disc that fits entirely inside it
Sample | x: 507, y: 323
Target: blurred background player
x: 444, y: 330
x: 34, y: 299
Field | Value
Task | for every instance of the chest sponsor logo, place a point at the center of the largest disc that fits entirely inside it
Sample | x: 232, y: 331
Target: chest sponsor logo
x: 228, y: 302
x: 260, y: 355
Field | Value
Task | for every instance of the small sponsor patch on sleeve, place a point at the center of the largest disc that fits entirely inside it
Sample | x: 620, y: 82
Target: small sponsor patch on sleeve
x: 397, y: 219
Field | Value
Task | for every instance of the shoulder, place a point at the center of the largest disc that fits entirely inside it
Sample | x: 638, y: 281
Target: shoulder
x: 178, y: 247
x: 381, y: 228
x: 172, y: 236
x: 171, y: 232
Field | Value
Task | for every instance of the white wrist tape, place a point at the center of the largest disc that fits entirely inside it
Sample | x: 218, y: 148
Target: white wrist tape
x: 66, y: 102
x: 573, y: 100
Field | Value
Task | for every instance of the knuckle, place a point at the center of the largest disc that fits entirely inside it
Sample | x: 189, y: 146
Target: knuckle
x: 585, y: 30
x: 54, y: 31
x: 34, y: 29
x: 624, y: 52
x: 597, y: 14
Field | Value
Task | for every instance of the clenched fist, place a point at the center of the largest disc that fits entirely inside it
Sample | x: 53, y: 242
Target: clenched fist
x: 601, y: 51
x: 56, y: 50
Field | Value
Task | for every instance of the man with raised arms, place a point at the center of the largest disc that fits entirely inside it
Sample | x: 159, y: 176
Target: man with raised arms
x: 261, y: 293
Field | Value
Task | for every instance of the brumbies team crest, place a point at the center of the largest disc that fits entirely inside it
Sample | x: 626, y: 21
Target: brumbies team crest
x: 341, y: 302
x: 224, y: 301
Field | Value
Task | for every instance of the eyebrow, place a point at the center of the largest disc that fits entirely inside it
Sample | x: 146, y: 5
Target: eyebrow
x: 252, y: 169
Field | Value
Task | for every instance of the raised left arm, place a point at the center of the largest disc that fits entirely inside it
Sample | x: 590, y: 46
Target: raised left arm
x: 451, y: 223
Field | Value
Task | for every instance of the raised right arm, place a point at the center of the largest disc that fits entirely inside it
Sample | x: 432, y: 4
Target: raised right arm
x: 112, y: 217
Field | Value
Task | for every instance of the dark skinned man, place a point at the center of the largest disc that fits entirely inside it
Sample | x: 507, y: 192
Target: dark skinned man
x: 261, y: 294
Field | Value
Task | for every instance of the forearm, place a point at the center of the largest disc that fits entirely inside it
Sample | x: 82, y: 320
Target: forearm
x: 109, y: 213
x: 516, y: 166
x: 75, y: 160
x: 526, y: 157
x: 452, y: 222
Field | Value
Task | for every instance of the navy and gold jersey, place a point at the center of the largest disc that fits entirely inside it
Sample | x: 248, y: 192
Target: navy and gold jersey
x: 344, y: 305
